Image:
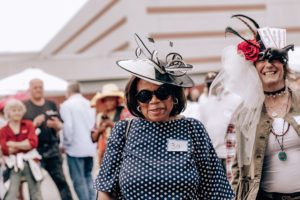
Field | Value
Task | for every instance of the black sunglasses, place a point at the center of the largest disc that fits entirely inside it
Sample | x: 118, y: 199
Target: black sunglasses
x: 162, y: 93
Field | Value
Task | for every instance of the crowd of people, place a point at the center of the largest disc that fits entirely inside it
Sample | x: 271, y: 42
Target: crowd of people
x: 237, y: 137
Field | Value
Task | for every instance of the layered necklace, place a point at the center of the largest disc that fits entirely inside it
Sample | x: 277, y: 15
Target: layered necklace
x: 280, y: 136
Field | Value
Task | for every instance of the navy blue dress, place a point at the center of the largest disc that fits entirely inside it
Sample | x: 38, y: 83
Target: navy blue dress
x: 142, y: 165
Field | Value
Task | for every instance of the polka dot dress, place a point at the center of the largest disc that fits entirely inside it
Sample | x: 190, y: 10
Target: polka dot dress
x: 143, y: 166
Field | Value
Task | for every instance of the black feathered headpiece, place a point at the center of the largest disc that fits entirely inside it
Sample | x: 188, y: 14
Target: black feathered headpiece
x: 267, y: 43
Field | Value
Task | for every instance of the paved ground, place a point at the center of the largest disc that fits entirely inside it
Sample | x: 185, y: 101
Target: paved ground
x: 49, y: 190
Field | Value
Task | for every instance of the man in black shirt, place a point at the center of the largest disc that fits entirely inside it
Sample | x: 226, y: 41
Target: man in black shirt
x: 45, y: 117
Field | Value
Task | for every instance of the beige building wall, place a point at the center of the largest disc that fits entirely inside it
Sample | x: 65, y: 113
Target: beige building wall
x: 87, y: 48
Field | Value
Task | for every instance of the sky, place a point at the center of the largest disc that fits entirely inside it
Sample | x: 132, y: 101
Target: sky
x: 29, y: 25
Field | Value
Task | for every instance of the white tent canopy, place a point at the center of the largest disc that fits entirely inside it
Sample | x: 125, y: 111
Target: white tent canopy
x: 20, y: 82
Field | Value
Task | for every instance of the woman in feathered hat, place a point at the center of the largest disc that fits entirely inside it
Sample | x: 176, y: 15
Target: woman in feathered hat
x: 267, y: 120
x: 160, y: 154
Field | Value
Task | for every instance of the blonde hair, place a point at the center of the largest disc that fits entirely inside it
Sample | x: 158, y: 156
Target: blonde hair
x: 13, y: 103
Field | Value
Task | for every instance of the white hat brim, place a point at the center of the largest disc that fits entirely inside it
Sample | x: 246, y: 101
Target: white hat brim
x: 145, y: 69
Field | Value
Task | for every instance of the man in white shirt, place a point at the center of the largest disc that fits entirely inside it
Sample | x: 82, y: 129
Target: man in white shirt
x: 79, y: 119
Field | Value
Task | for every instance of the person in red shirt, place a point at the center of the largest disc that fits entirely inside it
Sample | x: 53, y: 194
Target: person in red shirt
x: 18, y: 143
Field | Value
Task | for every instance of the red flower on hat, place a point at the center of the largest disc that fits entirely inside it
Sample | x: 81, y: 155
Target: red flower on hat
x: 250, y: 51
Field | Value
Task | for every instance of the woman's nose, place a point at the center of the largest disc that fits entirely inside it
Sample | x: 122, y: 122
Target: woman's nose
x: 154, y: 99
x: 268, y: 64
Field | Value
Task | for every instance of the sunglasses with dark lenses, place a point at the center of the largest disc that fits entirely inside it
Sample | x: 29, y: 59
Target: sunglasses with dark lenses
x: 162, y: 93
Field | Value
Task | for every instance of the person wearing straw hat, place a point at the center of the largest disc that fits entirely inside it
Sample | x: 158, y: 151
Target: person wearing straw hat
x: 159, y: 154
x: 267, y: 120
x: 110, y: 102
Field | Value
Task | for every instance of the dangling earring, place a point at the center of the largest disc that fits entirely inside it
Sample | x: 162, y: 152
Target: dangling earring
x: 175, y: 101
x: 139, y: 109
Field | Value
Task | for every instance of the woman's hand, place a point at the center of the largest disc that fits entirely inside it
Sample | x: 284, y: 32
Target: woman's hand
x: 110, y: 123
x: 11, y: 144
x: 101, y: 129
x: 17, y: 146
x: 12, y: 149
x: 105, y: 124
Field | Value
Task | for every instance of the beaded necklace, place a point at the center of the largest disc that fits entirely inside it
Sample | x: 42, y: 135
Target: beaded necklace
x: 276, y: 93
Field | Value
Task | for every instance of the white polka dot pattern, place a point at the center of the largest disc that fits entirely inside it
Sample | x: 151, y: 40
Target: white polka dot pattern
x: 144, y: 169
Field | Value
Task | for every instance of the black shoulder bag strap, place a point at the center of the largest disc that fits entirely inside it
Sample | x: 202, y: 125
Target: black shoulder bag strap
x: 118, y: 113
x: 129, y: 122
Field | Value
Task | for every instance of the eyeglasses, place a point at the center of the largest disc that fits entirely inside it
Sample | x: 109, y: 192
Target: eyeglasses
x: 162, y: 93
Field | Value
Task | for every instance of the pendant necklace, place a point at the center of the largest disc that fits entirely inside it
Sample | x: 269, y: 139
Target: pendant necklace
x: 274, y: 114
x: 282, y: 154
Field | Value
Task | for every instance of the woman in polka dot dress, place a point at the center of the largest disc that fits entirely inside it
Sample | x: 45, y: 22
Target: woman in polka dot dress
x: 163, y: 155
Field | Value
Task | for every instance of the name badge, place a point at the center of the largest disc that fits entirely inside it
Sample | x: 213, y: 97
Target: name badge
x: 177, y: 145
x: 297, y: 119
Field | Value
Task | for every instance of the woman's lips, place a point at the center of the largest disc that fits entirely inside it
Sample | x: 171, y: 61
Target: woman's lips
x: 269, y: 73
x: 156, y: 110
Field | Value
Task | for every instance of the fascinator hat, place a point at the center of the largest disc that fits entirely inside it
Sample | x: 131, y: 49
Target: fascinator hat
x: 148, y: 66
x: 267, y: 43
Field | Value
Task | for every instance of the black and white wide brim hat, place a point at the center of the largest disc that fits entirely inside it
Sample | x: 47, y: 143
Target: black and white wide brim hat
x: 150, y: 68
x: 145, y: 69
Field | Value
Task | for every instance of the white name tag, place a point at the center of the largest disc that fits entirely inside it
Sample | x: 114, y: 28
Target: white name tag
x: 297, y: 119
x: 177, y: 145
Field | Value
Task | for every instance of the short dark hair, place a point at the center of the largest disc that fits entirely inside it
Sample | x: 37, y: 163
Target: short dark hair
x: 132, y: 103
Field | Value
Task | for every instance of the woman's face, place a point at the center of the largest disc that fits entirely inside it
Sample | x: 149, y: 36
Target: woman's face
x: 110, y: 103
x: 155, y: 110
x: 270, y: 74
x: 15, y: 113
